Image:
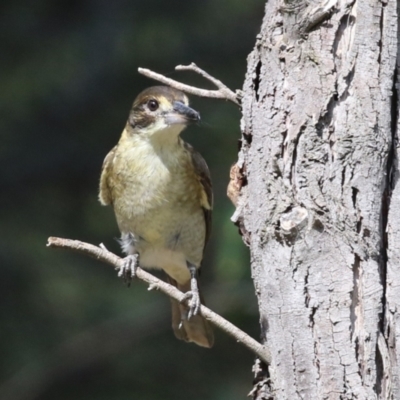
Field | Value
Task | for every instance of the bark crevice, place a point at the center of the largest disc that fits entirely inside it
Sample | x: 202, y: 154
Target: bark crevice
x: 256, y: 80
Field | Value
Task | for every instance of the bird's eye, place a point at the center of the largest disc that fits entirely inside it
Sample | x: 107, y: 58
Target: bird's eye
x: 152, y: 105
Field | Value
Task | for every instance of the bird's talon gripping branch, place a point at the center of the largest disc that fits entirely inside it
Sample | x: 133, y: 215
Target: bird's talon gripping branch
x: 194, y: 303
x: 193, y: 294
x: 128, y: 270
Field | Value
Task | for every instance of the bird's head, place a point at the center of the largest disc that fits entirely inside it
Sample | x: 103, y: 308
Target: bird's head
x: 161, y: 111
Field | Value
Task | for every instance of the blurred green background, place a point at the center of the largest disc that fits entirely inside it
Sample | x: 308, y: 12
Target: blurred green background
x: 70, y: 329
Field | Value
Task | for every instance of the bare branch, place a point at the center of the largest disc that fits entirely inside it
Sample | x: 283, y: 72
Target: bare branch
x: 106, y: 256
x: 223, y: 91
x: 193, y: 67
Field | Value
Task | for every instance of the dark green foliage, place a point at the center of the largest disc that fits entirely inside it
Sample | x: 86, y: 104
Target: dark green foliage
x: 69, y: 328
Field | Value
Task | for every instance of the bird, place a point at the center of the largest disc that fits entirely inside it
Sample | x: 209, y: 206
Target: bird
x: 161, y: 192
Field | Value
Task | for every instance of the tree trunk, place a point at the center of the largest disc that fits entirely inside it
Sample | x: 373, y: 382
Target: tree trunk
x: 319, y: 206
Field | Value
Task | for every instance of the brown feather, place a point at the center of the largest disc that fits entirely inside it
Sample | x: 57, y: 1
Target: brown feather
x: 105, y: 195
x: 203, y: 174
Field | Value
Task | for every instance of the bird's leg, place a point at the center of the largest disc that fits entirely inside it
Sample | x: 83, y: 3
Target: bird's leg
x: 193, y: 294
x: 131, y: 262
x: 129, y: 267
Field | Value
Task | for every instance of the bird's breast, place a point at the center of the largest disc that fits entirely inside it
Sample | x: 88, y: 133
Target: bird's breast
x: 154, y: 189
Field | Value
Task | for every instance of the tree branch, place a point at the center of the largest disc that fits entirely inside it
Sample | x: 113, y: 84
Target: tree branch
x: 106, y: 256
x: 223, y: 91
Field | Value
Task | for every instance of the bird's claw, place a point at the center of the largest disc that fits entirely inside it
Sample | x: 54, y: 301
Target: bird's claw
x: 129, y: 267
x: 194, y: 302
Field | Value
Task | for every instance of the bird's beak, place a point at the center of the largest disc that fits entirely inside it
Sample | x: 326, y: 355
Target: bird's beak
x: 181, y: 114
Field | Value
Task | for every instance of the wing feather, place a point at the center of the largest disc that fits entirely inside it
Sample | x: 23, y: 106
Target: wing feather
x: 204, y: 177
x: 105, y: 196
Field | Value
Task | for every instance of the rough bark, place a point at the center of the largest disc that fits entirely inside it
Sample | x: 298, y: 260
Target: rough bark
x: 319, y: 172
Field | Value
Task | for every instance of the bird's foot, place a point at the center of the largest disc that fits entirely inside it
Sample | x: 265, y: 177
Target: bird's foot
x: 194, y: 302
x: 128, y: 270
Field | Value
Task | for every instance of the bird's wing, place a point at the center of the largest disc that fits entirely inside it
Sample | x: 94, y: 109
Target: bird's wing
x: 204, y: 178
x: 105, y: 193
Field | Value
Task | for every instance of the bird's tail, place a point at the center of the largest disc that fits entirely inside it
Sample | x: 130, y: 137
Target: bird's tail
x: 197, y: 329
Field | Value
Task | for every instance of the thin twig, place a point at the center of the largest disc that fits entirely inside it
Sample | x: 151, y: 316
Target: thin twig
x: 193, y: 67
x: 223, y: 91
x: 106, y: 256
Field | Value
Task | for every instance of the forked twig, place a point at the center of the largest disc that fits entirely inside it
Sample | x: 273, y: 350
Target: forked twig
x: 223, y: 91
x: 106, y: 256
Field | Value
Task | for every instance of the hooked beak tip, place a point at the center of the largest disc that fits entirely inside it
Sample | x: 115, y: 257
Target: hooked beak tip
x: 187, y: 112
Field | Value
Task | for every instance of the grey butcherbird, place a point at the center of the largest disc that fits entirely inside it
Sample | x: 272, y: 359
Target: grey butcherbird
x: 160, y: 189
